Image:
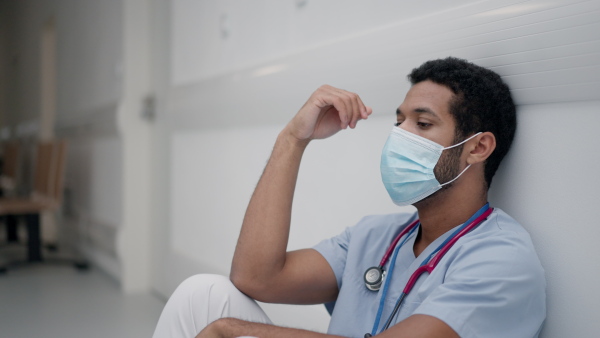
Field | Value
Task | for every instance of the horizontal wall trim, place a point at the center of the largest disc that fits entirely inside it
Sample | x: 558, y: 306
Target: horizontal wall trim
x: 107, y: 263
x: 547, y: 52
x: 102, y: 121
x: 96, y: 239
x: 96, y: 233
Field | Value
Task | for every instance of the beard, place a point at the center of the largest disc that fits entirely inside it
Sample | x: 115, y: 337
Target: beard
x: 447, y: 168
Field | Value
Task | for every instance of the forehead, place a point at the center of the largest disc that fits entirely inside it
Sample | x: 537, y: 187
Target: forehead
x: 428, y: 97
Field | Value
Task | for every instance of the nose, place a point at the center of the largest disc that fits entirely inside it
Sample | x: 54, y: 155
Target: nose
x: 409, y: 126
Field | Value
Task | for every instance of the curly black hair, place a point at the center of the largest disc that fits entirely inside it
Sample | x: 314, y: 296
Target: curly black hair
x: 481, y: 102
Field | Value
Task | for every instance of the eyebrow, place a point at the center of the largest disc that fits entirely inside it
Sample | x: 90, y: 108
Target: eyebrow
x: 420, y: 110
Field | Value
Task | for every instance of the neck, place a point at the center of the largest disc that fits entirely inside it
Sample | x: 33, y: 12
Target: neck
x: 446, y: 210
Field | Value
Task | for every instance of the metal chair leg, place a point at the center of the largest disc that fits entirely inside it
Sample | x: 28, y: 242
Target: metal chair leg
x: 34, y: 241
x: 11, y: 229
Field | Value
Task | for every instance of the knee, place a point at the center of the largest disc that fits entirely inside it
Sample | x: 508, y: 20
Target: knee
x: 196, y: 302
x: 204, y: 285
x: 202, y: 281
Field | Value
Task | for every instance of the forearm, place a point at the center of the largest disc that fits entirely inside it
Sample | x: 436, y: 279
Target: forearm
x: 231, y: 327
x: 261, y: 268
x: 261, y: 249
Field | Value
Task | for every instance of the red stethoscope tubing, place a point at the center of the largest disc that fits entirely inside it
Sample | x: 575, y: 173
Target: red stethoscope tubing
x: 390, y: 249
x: 438, y: 256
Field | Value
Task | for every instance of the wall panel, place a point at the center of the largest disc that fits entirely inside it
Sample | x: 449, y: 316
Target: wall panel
x: 547, y: 43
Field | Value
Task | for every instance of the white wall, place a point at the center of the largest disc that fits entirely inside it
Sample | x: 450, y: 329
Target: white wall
x: 211, y: 38
x: 238, y: 71
x: 549, y: 183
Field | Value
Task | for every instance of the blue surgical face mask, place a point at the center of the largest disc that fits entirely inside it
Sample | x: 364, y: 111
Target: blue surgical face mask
x: 407, y: 163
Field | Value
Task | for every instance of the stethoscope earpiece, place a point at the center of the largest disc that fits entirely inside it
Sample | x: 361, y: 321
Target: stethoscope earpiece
x: 374, y: 278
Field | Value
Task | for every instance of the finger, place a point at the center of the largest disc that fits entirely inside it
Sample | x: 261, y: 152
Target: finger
x: 347, y: 112
x: 364, y: 110
x: 330, y: 96
x: 353, y: 109
x: 359, y: 110
x: 344, y: 102
x: 356, y: 113
x: 342, y: 108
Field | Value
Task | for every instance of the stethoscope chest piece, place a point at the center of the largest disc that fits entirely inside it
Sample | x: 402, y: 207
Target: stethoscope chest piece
x: 374, y: 278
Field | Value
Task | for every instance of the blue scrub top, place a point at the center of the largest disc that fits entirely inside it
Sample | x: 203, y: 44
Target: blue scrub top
x: 489, y: 284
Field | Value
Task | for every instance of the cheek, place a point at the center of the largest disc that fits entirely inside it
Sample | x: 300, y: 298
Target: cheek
x: 440, y: 135
x: 448, y: 164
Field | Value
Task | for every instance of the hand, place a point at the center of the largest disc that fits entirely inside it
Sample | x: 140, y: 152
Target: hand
x: 327, y: 111
x: 231, y: 327
x: 212, y: 330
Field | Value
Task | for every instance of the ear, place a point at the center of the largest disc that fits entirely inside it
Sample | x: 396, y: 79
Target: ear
x: 480, y: 147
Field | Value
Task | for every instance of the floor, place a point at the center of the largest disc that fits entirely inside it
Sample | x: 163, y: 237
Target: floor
x: 61, y: 302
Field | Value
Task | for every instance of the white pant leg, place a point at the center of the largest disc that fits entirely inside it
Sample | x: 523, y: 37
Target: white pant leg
x: 202, y: 299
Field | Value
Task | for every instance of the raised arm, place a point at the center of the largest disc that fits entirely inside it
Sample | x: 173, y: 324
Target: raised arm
x: 261, y: 266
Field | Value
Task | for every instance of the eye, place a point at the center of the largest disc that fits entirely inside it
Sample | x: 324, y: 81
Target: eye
x: 397, y: 124
x: 424, y: 125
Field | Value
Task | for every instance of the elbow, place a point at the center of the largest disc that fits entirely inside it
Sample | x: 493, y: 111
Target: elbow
x: 251, y: 286
x: 243, y: 282
x: 238, y: 280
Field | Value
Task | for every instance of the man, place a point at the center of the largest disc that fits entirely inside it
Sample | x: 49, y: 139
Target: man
x: 454, y: 127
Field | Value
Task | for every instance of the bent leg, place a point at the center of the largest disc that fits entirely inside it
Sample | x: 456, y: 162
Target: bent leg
x: 202, y: 299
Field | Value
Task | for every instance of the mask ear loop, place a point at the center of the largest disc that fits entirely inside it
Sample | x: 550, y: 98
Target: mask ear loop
x: 462, y: 172
x: 456, y: 145
x: 454, y: 179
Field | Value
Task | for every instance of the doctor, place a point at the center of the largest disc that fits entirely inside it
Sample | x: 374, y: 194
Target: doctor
x: 454, y: 127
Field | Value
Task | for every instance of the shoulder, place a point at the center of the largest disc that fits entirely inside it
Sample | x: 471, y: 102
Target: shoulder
x: 370, y: 232
x: 502, y: 245
x: 382, y: 226
x: 500, y: 229
x: 488, y: 282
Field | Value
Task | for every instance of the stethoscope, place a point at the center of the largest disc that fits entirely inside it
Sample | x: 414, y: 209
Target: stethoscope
x: 374, y: 276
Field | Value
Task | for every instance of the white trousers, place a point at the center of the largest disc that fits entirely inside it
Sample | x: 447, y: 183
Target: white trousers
x: 202, y: 299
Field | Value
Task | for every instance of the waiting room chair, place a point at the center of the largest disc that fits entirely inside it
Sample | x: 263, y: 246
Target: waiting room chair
x: 10, y: 165
x: 46, y: 196
x: 11, y: 155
